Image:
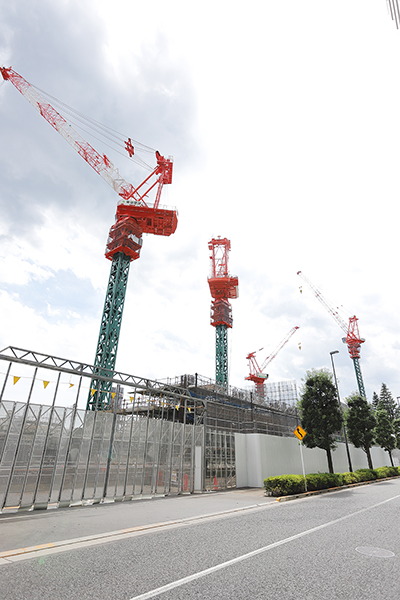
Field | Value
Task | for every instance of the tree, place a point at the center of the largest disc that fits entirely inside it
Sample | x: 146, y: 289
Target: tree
x: 385, y: 432
x: 375, y: 400
x: 386, y: 401
x: 361, y: 422
x: 320, y: 413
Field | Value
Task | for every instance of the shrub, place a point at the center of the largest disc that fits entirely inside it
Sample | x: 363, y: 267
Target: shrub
x: 284, y: 485
x: 382, y: 472
x: 366, y: 474
x: 316, y: 481
x: 334, y: 479
x: 350, y: 477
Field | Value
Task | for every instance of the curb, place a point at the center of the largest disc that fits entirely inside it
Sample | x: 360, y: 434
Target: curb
x: 335, y: 489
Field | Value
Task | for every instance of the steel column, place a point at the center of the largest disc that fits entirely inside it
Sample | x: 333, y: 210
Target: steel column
x: 110, y: 327
x: 221, y: 355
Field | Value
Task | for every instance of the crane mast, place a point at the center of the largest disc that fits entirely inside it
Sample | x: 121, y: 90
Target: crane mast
x: 257, y: 374
x: 222, y: 287
x: 134, y: 216
x: 352, y: 339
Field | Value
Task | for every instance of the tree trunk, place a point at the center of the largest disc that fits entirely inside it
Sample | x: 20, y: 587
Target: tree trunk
x: 368, y: 453
x: 329, y: 457
x: 391, y: 459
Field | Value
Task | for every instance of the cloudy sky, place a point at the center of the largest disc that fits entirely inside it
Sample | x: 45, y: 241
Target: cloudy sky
x: 283, y: 121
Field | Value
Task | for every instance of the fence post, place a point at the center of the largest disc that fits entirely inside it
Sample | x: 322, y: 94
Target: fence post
x: 19, y: 439
x: 73, y: 418
x: 114, y: 422
x: 45, y: 442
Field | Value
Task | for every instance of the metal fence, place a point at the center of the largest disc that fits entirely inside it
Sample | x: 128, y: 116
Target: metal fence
x: 53, y: 456
x: 156, y: 438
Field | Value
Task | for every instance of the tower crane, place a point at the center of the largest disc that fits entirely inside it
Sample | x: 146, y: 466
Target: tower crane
x: 257, y: 373
x: 352, y: 339
x: 222, y: 287
x: 134, y: 216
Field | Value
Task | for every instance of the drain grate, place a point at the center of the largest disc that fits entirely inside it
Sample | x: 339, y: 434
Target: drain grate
x: 372, y: 551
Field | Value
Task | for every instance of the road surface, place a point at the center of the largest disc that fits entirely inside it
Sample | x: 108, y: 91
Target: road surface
x: 340, y: 545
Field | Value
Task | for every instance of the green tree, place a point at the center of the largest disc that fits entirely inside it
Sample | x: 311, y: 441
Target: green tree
x: 387, y: 402
x: 320, y: 413
x: 385, y: 431
x: 375, y: 400
x: 396, y: 427
x: 361, y: 423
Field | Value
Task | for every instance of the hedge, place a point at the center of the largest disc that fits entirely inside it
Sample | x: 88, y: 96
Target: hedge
x: 287, y: 485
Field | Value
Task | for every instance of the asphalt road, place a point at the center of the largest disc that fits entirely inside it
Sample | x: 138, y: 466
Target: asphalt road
x: 340, y: 545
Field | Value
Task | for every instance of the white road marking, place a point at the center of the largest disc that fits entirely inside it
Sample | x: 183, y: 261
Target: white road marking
x: 19, y: 554
x: 233, y: 561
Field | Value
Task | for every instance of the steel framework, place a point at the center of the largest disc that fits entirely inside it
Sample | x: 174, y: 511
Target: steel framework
x: 222, y: 287
x: 110, y: 327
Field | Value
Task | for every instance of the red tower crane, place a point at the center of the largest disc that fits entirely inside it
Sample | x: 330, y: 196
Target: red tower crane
x: 352, y: 339
x: 135, y: 216
x: 257, y: 374
x: 222, y: 287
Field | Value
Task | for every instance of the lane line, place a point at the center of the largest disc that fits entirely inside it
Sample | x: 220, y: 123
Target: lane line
x: 238, y: 559
x: 9, y: 556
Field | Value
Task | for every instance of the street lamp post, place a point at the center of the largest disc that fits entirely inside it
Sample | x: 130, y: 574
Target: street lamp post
x: 340, y: 406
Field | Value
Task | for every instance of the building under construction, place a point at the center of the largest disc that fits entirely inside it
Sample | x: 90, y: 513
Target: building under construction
x: 224, y: 408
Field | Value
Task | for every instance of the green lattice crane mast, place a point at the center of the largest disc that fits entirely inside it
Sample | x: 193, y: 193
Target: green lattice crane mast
x: 222, y: 287
x: 135, y: 216
x: 256, y: 373
x: 352, y: 339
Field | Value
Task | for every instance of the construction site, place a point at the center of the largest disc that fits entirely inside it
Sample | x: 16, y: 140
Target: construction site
x: 136, y: 436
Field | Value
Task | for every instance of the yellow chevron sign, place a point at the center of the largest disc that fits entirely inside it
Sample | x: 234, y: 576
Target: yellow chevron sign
x: 299, y: 433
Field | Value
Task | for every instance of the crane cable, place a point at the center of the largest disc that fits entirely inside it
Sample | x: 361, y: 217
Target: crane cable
x: 106, y: 132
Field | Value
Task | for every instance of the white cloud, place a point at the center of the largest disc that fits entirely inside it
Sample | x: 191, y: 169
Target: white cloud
x: 284, y: 140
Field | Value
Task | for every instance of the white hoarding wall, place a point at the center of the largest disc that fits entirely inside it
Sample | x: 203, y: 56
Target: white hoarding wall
x: 259, y: 456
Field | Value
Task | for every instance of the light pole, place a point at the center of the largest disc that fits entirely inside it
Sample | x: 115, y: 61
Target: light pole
x: 340, y: 406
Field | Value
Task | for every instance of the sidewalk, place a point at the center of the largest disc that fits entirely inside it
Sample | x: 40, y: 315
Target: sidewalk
x: 29, y: 529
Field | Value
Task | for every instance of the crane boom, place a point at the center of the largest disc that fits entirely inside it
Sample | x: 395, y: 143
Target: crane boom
x: 332, y: 311
x: 352, y: 339
x: 257, y: 374
x: 134, y: 217
x: 279, y: 347
x: 165, y: 220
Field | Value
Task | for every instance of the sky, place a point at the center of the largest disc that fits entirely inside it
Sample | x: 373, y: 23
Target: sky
x: 283, y: 122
